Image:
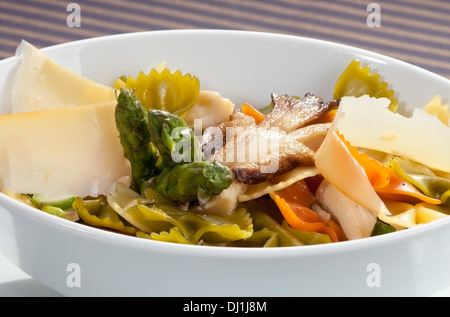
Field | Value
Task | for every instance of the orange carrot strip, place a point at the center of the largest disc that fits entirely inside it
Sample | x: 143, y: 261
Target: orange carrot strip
x: 298, y: 196
x: 338, y: 229
x: 399, y: 189
x: 251, y: 111
x: 294, y: 216
x: 385, y: 182
x: 297, y: 192
x: 377, y: 173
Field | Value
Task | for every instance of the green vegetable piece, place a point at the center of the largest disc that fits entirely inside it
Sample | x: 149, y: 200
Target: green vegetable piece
x: 132, y: 124
x: 358, y: 81
x: 381, y: 228
x: 55, y: 211
x: 266, y: 109
x: 175, y: 141
x: 185, y: 176
x: 163, y: 89
x: 307, y: 237
x: 66, y: 214
x: 194, y: 181
x: 40, y: 201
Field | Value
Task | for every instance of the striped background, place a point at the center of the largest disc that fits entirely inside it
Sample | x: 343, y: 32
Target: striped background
x: 415, y: 31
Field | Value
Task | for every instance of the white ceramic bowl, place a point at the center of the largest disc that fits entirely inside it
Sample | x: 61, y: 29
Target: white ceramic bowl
x: 245, y: 67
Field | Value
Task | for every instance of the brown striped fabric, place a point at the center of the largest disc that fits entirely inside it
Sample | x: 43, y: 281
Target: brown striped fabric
x: 415, y: 31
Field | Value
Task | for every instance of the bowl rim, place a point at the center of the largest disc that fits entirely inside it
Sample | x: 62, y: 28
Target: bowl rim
x: 233, y: 32
x: 165, y: 247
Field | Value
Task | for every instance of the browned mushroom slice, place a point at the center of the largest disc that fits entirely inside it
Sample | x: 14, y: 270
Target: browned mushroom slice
x: 311, y: 135
x: 290, y: 156
x: 215, y: 137
x: 284, y: 140
x: 255, y: 154
x: 290, y: 113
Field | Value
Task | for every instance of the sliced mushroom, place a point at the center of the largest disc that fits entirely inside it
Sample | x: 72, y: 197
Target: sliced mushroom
x: 284, y: 140
x: 290, y: 113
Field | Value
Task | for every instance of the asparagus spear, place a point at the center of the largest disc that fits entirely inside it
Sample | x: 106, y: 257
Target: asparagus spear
x: 132, y: 124
x: 194, y: 181
x: 174, y: 140
x: 152, y: 142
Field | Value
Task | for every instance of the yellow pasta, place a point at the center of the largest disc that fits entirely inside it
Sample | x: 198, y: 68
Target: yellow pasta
x: 278, y: 182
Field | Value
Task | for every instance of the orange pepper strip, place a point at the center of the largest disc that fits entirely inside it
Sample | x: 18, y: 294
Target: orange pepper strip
x: 292, y: 202
x: 251, y: 111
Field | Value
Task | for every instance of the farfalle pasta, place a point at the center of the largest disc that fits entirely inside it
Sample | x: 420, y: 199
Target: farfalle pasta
x: 172, y: 184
